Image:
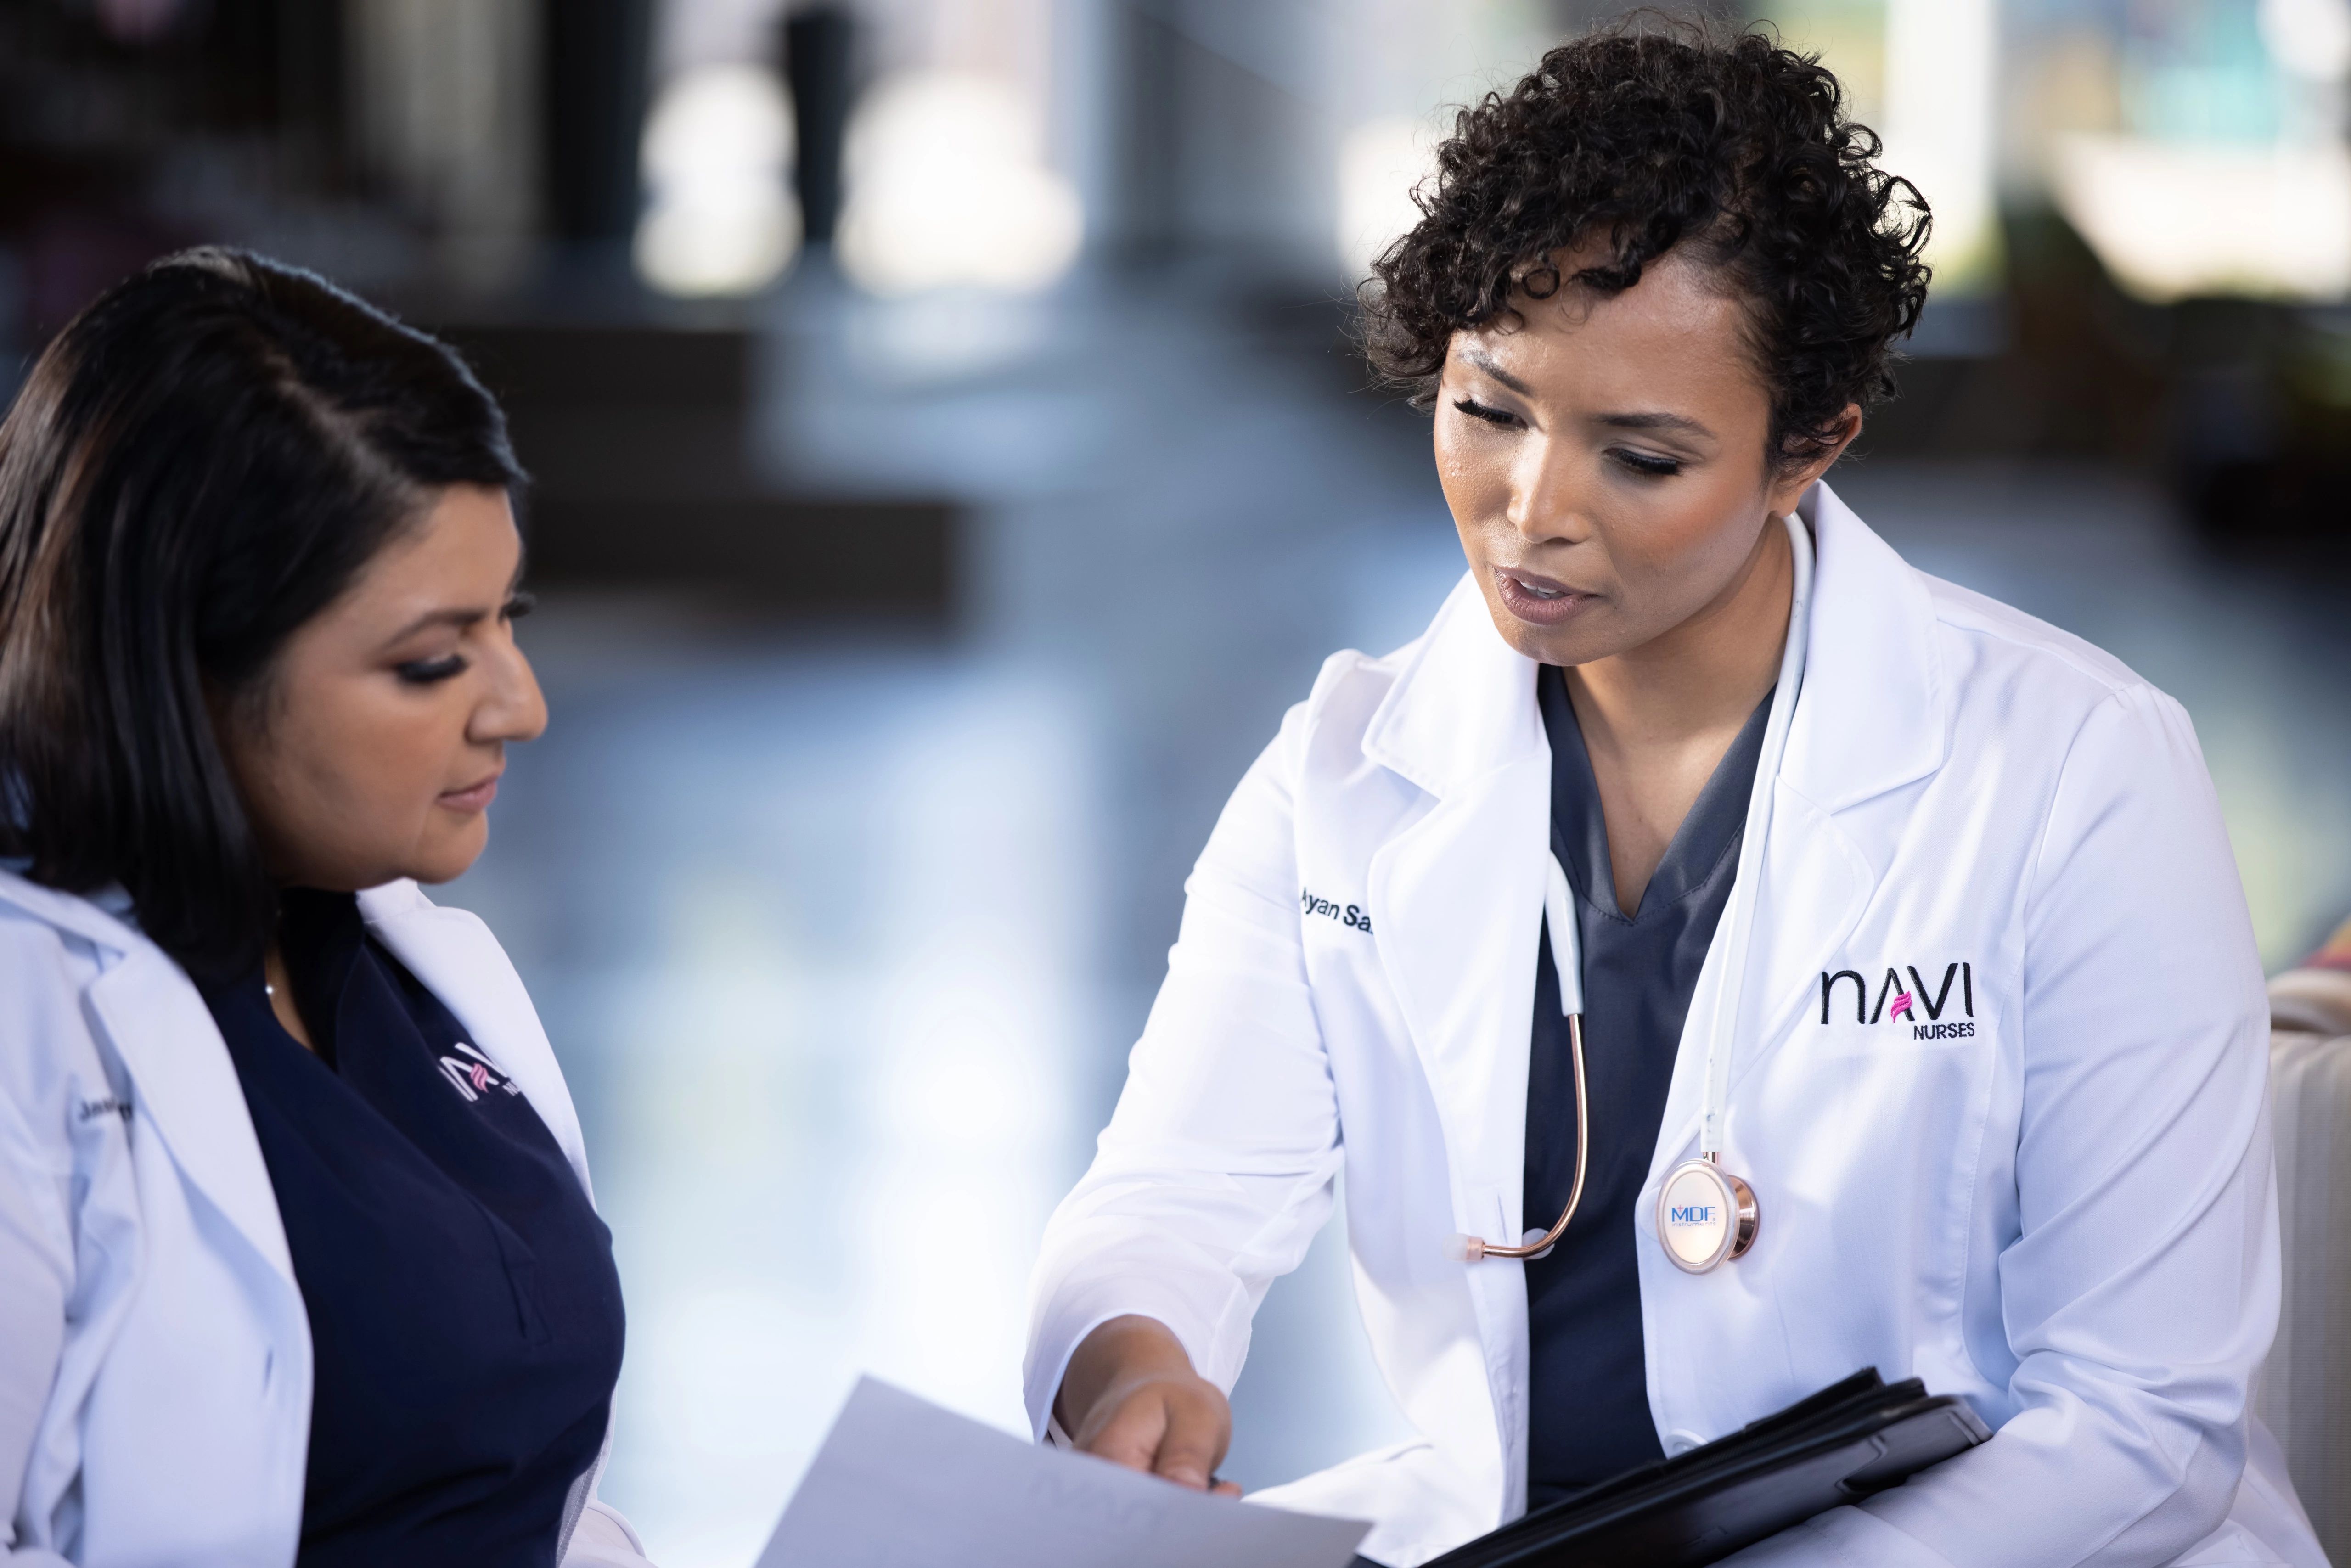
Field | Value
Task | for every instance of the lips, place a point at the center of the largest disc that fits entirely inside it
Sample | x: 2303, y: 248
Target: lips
x: 473, y: 796
x: 1538, y: 600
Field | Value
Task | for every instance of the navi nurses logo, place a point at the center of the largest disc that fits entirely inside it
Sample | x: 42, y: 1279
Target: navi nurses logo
x: 472, y: 1074
x: 1898, y: 1003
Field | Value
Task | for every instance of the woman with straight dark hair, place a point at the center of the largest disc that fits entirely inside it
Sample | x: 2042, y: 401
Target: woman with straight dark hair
x: 297, y: 1257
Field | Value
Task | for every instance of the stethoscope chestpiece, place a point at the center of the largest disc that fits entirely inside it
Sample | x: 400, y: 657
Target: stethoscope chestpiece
x: 1704, y: 1215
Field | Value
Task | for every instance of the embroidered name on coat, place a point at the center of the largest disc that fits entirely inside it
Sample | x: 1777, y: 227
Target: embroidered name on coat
x: 1354, y: 917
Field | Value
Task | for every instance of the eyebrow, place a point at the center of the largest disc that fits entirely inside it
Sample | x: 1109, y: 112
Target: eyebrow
x: 459, y: 618
x: 1680, y: 423
x: 1673, y: 422
x: 1485, y: 362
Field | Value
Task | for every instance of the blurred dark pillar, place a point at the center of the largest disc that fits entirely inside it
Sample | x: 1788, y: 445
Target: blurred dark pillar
x: 1146, y: 221
x: 819, y: 65
x: 311, y: 86
x: 597, y: 53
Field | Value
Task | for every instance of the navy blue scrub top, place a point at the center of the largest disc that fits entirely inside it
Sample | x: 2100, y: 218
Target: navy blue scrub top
x: 1588, y: 1401
x: 464, y: 1311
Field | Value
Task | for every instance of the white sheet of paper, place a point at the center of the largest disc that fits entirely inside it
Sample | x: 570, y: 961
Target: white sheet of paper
x: 902, y: 1483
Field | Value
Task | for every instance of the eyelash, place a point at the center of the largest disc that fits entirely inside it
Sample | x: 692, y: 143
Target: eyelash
x: 431, y: 672
x: 1646, y: 465
x: 1477, y: 410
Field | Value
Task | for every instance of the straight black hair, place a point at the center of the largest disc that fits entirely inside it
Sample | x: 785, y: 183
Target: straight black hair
x: 201, y: 462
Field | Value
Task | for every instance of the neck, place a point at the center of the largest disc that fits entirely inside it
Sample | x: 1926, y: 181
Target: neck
x: 1707, y: 674
x: 280, y: 981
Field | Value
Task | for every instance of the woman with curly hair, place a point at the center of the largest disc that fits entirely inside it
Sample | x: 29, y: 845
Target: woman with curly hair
x: 1720, y: 957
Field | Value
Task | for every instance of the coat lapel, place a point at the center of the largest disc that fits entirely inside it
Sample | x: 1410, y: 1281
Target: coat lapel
x: 454, y: 954
x: 1461, y: 891
x: 1460, y: 894
x: 1874, y: 715
x: 183, y: 1087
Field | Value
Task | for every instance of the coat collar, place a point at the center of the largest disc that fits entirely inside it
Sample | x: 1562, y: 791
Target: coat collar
x: 1874, y: 715
x: 1464, y: 705
x: 1875, y: 710
x: 185, y: 1087
x: 454, y: 954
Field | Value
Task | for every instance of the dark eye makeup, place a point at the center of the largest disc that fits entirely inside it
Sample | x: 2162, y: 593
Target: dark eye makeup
x: 1492, y: 415
x: 1648, y: 465
x: 429, y: 671
x: 1645, y: 464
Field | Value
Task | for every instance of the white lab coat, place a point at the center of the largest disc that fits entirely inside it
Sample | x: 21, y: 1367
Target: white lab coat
x: 2065, y: 1214
x: 154, y: 1352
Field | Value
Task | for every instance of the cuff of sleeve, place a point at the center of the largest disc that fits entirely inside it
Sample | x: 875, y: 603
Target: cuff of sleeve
x: 1841, y: 1538
x: 1215, y: 1338
x: 2316, y: 999
x: 602, y: 1539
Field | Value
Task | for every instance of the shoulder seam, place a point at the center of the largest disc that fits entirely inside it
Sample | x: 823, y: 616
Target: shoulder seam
x: 2021, y: 639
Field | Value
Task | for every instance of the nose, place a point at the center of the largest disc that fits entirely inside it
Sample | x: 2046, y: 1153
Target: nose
x: 513, y: 708
x: 1545, y: 505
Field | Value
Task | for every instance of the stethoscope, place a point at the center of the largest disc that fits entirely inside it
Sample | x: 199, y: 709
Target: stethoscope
x: 1704, y: 1214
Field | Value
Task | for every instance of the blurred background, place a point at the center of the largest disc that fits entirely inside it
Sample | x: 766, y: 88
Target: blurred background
x: 951, y: 461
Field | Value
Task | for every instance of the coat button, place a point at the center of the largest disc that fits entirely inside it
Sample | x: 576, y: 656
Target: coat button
x: 1680, y: 1442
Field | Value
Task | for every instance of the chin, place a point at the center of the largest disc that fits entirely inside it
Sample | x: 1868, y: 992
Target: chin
x: 1546, y: 645
x: 437, y: 864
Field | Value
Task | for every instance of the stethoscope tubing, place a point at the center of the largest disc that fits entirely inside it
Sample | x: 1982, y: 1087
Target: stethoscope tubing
x: 1747, y: 890
x: 1480, y: 1247
x: 1566, y: 957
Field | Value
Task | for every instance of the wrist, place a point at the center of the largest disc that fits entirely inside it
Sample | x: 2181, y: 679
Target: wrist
x: 1117, y: 1357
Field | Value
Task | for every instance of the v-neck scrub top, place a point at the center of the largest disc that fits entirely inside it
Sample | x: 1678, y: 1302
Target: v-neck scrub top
x: 1588, y: 1406
x: 465, y: 1312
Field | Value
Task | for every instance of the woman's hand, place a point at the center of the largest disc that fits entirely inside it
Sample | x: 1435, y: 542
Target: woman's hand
x: 1130, y: 1396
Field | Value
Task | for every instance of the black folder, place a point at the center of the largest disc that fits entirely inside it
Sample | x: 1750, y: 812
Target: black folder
x: 1852, y: 1439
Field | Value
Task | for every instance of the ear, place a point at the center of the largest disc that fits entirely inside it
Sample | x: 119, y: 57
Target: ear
x: 1788, y: 486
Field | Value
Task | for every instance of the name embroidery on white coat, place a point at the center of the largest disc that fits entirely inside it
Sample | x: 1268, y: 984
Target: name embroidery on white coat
x: 1352, y: 916
x: 471, y: 1075
x: 1900, y: 1003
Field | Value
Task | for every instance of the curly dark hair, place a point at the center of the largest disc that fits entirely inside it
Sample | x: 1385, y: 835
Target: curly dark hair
x: 1641, y: 137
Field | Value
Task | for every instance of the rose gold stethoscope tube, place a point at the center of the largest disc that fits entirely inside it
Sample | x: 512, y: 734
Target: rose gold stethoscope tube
x: 1559, y: 918
x: 1478, y: 1246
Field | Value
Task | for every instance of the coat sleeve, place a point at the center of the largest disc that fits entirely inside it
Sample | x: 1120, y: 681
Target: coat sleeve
x: 1216, y: 1170
x: 36, y: 1254
x: 2140, y: 1290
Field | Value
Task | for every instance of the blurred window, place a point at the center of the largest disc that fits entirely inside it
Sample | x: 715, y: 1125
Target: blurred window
x: 719, y: 218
